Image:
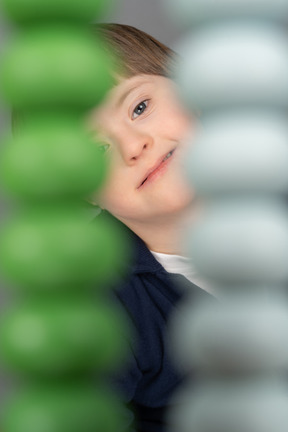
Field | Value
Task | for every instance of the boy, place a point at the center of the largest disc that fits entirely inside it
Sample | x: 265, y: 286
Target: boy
x: 141, y: 127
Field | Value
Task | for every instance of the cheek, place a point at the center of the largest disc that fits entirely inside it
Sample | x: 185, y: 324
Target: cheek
x: 175, y: 123
x: 113, y: 196
x: 109, y: 195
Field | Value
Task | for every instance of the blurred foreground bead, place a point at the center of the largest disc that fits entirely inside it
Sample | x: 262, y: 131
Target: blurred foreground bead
x: 242, y: 406
x: 52, y: 159
x: 68, y: 337
x: 188, y: 12
x: 52, y: 249
x: 241, y: 240
x: 249, y: 63
x: 64, y: 409
x: 56, y: 65
x: 43, y: 10
x: 246, y: 334
x: 239, y: 151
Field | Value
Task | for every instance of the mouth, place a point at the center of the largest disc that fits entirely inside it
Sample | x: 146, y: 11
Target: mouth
x: 154, y: 170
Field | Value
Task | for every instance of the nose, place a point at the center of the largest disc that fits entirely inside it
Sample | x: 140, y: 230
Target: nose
x: 133, y: 145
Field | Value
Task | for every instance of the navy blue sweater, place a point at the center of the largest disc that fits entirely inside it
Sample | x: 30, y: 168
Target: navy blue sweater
x: 149, y: 294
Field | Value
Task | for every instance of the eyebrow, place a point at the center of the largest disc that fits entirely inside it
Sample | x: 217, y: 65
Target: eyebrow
x: 127, y: 93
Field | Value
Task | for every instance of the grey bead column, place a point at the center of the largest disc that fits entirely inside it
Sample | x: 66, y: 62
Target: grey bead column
x: 234, y: 70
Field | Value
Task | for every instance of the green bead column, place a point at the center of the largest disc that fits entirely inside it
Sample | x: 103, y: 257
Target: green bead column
x: 61, y: 334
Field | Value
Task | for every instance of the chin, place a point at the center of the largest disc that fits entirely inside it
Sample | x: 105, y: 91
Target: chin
x: 178, y: 198
x: 175, y: 209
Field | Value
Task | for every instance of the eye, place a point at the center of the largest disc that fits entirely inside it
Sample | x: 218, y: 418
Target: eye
x: 103, y: 148
x: 139, y: 109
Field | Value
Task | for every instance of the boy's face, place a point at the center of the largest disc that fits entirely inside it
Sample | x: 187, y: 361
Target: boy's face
x: 138, y: 125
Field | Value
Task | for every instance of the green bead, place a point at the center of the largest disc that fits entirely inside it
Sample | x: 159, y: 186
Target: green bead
x: 37, y: 10
x: 50, y: 250
x: 68, y: 408
x: 52, y: 159
x: 56, y: 65
x: 63, y: 336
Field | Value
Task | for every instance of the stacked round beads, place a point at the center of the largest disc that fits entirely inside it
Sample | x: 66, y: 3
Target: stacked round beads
x: 234, y: 69
x: 61, y: 334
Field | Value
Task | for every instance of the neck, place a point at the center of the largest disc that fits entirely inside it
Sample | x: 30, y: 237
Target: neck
x: 165, y: 235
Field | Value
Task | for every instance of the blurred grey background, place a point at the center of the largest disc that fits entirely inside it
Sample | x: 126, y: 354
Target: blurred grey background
x: 147, y: 15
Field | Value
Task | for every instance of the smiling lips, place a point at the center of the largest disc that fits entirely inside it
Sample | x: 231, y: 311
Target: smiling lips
x: 157, y: 167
